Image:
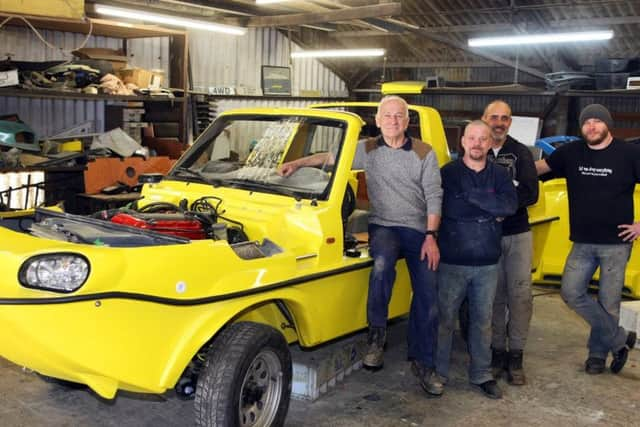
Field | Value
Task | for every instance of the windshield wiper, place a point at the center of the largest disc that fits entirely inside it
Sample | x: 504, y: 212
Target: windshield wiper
x: 195, y: 174
x: 270, y: 188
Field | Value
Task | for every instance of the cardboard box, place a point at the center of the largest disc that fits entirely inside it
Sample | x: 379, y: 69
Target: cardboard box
x: 116, y: 57
x: 9, y: 78
x: 73, y: 9
x: 132, y: 114
x: 134, y: 129
x: 141, y: 77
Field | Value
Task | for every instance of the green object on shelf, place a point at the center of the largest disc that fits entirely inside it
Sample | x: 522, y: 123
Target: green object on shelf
x: 19, y: 135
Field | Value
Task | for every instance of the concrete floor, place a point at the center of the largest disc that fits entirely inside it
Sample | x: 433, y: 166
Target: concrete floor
x: 559, y: 392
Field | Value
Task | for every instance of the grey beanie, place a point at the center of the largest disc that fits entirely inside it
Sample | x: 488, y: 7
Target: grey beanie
x: 596, y: 111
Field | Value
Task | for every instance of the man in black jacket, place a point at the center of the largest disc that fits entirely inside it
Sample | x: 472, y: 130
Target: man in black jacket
x: 477, y: 194
x: 513, y: 306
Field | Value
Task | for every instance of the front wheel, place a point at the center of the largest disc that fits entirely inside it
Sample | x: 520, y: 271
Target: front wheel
x: 246, y: 380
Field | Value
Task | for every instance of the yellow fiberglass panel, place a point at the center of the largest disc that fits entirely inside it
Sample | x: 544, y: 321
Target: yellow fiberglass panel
x: 403, y: 87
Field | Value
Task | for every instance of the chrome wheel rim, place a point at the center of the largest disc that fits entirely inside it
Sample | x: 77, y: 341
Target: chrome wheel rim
x: 261, y: 390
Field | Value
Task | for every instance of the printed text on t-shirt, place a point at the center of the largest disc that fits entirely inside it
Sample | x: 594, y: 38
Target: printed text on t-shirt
x: 588, y: 170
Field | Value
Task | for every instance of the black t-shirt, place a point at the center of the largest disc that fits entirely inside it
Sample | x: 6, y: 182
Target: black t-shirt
x: 600, y: 185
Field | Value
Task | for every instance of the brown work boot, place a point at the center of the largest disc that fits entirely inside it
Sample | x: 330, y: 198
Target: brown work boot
x: 499, y: 362
x: 430, y: 382
x: 515, y: 373
x: 373, y: 359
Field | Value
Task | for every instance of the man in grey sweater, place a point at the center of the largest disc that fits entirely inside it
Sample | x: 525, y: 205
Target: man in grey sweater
x: 403, y: 184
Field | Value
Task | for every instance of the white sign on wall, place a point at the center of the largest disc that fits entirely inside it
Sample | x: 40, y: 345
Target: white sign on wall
x: 525, y: 129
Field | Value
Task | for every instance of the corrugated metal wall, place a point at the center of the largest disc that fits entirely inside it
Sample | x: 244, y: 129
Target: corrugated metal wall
x: 225, y: 104
x: 223, y: 60
x: 50, y: 116
x: 216, y: 60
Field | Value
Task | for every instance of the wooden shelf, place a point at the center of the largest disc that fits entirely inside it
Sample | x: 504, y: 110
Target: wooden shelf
x: 178, y: 46
x: 101, y: 27
x: 53, y: 94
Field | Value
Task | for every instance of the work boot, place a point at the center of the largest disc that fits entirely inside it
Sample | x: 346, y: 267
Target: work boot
x: 490, y: 389
x: 620, y: 356
x: 515, y: 373
x: 498, y: 362
x: 373, y: 359
x: 594, y: 365
x: 430, y: 382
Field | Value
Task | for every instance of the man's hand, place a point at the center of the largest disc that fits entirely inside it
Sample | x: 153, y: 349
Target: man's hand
x: 630, y: 232
x: 431, y: 252
x: 287, y: 169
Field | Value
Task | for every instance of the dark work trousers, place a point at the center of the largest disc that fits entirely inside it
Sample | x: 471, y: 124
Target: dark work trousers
x: 387, y: 245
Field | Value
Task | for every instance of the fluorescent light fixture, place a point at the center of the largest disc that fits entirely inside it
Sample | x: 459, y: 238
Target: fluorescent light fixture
x: 583, y: 36
x: 169, y: 20
x: 337, y: 53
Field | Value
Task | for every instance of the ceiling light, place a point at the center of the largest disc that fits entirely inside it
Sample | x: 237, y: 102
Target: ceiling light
x: 169, y: 20
x: 337, y: 53
x: 541, y: 38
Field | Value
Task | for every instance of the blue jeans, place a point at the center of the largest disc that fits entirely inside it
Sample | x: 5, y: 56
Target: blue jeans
x: 478, y: 285
x: 386, y: 246
x: 602, y: 315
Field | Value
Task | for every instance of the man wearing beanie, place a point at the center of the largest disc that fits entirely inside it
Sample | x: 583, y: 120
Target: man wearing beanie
x: 601, y: 174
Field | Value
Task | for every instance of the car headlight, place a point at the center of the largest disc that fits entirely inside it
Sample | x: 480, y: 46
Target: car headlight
x: 61, y: 272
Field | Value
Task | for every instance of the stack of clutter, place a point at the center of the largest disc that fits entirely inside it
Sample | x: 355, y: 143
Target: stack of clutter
x: 206, y: 112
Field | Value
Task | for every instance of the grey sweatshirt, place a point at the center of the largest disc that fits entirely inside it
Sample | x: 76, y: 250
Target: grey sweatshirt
x: 403, y: 184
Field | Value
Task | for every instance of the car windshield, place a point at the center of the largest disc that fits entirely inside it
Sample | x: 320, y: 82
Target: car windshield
x: 245, y: 152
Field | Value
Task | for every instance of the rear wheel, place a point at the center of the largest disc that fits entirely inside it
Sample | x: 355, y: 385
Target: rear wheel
x: 246, y: 380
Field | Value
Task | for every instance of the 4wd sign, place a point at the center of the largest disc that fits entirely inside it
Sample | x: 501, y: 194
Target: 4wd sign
x: 222, y: 90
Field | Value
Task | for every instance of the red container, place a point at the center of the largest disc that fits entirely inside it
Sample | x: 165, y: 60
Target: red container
x: 168, y: 223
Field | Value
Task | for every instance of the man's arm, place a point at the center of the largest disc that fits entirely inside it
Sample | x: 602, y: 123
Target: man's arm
x: 542, y: 167
x: 630, y: 232
x: 432, y: 188
x: 317, y: 159
x: 430, y: 248
x: 527, y: 177
x: 501, y: 202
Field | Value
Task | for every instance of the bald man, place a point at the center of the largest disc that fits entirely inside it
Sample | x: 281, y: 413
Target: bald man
x: 513, y: 306
x: 477, y: 194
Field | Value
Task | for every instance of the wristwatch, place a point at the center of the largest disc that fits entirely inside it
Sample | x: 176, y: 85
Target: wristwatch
x: 433, y: 233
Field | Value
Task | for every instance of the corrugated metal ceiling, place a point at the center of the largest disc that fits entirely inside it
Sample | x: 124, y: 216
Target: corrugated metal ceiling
x: 434, y: 33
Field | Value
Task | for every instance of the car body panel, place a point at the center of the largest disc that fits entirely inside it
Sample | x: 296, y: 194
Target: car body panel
x: 144, y: 312
x: 556, y: 250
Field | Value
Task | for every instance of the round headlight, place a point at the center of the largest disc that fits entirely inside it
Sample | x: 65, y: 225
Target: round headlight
x: 55, y: 272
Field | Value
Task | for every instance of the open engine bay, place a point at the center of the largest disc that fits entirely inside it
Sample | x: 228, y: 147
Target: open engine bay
x: 154, y: 224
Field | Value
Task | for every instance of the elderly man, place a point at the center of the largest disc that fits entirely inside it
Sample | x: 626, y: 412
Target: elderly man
x: 477, y: 195
x: 514, y: 300
x: 601, y: 174
x: 403, y: 184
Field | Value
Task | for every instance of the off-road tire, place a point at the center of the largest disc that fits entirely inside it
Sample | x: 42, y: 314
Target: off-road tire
x: 226, y: 383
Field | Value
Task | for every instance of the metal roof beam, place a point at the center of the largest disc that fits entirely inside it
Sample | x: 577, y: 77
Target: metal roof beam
x: 347, y: 14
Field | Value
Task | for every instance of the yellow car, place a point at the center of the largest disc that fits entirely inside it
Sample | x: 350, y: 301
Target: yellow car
x: 203, y: 285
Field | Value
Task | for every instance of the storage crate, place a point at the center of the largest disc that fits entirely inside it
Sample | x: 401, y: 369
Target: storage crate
x: 132, y: 114
x: 630, y: 316
x: 315, y: 371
